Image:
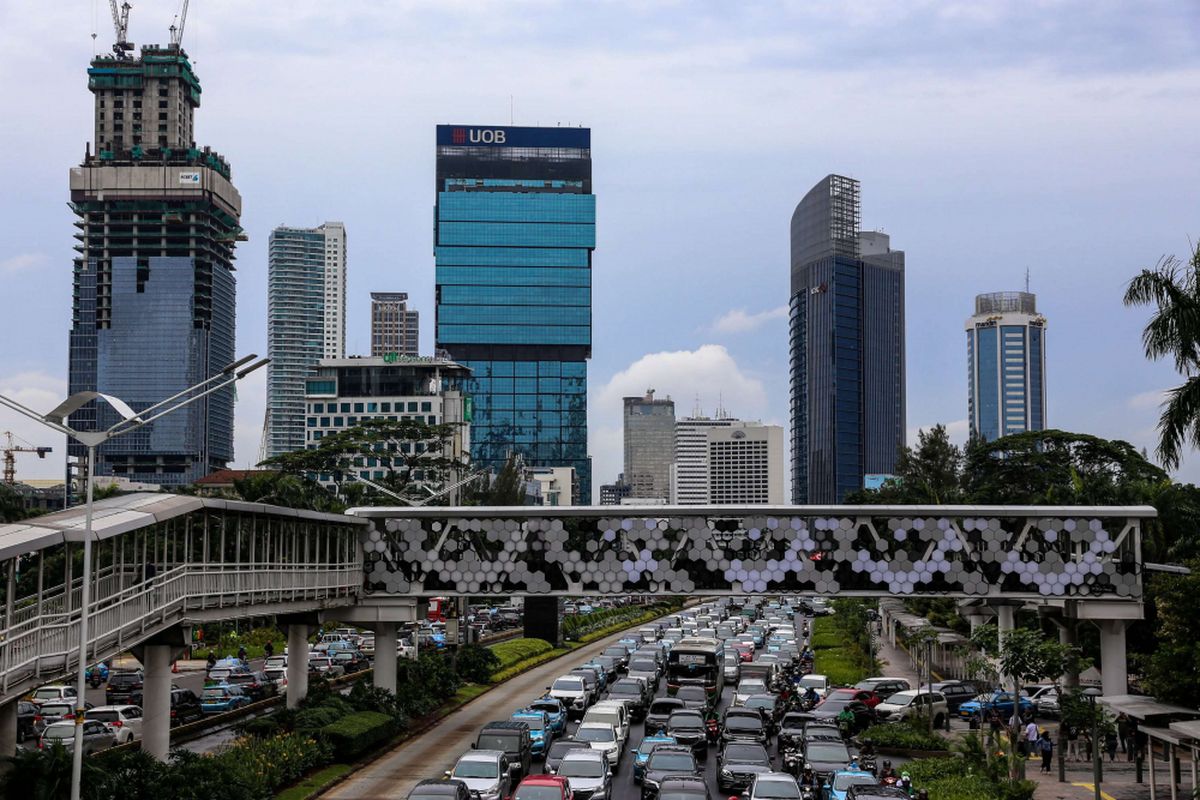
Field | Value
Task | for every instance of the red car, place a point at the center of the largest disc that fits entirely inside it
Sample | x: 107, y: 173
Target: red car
x: 862, y: 695
x: 543, y: 787
x: 745, y: 650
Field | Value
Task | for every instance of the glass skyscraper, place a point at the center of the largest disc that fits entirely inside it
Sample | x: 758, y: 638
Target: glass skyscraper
x: 515, y: 226
x: 847, y: 346
x: 1006, y: 359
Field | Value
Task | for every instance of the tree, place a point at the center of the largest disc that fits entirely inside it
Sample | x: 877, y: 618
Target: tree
x: 507, y: 488
x: 12, y: 505
x: 1170, y: 668
x: 928, y: 474
x: 289, y: 490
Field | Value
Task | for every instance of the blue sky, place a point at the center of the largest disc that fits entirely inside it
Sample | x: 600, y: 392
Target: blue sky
x: 990, y: 138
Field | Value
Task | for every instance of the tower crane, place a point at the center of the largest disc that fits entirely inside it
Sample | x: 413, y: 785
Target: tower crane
x: 177, y: 32
x: 121, y: 24
x: 10, y: 451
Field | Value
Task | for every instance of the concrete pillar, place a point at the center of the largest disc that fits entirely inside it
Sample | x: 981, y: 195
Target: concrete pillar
x: 8, y: 729
x: 976, y: 620
x: 1067, y: 638
x: 542, y: 619
x: 385, y: 656
x: 1005, y: 618
x: 1114, y: 680
x: 297, y: 665
x: 156, y: 700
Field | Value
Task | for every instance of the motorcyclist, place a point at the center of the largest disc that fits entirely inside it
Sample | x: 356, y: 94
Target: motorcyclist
x: 242, y: 653
x: 212, y: 660
x: 905, y: 782
x: 808, y: 778
x: 845, y: 721
x: 887, y: 772
x: 810, y: 696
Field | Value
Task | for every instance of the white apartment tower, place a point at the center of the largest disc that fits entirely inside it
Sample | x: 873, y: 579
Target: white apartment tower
x: 689, y: 472
x: 745, y: 464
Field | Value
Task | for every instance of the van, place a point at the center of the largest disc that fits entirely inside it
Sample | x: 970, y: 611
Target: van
x: 611, y: 712
x: 513, y: 738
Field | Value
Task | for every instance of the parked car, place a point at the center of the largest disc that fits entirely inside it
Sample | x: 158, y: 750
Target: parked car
x: 914, y: 703
x: 124, y: 721
x: 96, y: 737
x: 589, y: 773
x: 956, y: 693
x: 222, y: 697
x: 486, y: 774
x: 1002, y: 702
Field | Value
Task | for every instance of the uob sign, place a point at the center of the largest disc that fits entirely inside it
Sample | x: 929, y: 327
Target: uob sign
x: 478, y: 136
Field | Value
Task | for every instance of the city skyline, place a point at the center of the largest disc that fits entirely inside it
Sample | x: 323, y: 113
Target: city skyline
x: 1115, y: 185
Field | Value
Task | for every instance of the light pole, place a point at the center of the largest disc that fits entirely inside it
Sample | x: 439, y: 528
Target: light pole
x: 130, y: 421
x: 1091, y: 694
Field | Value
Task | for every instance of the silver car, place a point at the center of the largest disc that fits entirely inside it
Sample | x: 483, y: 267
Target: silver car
x: 96, y: 736
x: 589, y: 774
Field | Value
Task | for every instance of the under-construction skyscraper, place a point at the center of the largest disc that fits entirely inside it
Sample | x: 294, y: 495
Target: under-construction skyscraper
x: 154, y: 289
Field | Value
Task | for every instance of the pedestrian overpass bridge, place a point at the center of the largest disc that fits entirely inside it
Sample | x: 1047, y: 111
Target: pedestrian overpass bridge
x: 164, y: 562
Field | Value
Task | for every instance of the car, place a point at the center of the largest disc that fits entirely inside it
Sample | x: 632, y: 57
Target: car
x: 883, y: 687
x: 694, y: 697
x: 122, y: 685
x: 602, y: 737
x: 593, y: 677
x: 52, y: 712
x: 733, y: 666
x: 447, y: 789
x: 829, y: 709
x: 320, y: 666
x: 825, y: 757
x: 745, y: 650
x: 739, y: 762
x: 642, y: 754
x: 999, y: 701
x: 556, y: 713
x: 514, y: 739
x: 611, y: 666
x: 841, y: 781
x: 819, y: 683
x: 543, y: 787
x: 682, y: 787
x: 1048, y: 704
x: 634, y: 692
x: 96, y: 736
x: 914, y: 703
x: 560, y: 748
x: 660, y: 711
x: 350, y: 661
x: 689, y: 728
x: 124, y: 721
x: 221, y: 671
x: 367, y: 646
x: 773, y: 786
x: 590, y: 774
x: 486, y: 773
x: 748, y: 687
x: 54, y: 692
x: 619, y: 652
x: 541, y: 736
x: 256, y: 685
x: 615, y: 713
x: 185, y: 706
x: 956, y: 693
x: 877, y: 793
x: 646, y: 668
x: 769, y: 706
x: 222, y: 697
x: 668, y: 759
x: 791, y: 728
x: 29, y: 721
x: 744, y: 725
x: 865, y: 696
x: 572, y: 690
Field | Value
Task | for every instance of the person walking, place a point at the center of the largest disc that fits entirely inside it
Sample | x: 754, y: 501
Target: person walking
x: 1031, y: 739
x: 1073, y: 753
x: 1110, y: 743
x: 1046, y: 749
x: 994, y: 726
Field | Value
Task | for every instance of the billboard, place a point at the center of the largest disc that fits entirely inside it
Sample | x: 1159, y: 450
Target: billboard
x: 509, y: 136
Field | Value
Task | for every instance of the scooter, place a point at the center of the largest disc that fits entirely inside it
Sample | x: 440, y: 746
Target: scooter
x: 793, y: 762
x: 97, y: 675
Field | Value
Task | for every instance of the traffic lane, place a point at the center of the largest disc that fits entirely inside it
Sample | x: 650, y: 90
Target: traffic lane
x: 189, y: 679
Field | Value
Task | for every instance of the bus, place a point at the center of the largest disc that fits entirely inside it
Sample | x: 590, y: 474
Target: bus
x: 697, y: 661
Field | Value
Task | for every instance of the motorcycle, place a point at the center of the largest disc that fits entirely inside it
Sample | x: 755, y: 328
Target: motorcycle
x: 97, y: 675
x: 793, y: 762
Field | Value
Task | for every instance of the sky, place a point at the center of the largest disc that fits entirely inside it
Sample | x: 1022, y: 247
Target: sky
x: 991, y: 137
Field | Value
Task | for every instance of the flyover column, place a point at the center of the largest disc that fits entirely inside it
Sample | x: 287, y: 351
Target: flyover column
x: 156, y: 700
x: 297, y: 664
x: 8, y: 728
x: 385, y: 656
x: 542, y: 620
x: 1114, y: 680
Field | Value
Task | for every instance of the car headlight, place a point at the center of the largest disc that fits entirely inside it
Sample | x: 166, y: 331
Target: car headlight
x: 650, y: 784
x: 726, y: 773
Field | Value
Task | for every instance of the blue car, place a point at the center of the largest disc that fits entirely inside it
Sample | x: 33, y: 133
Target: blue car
x: 555, y: 710
x: 839, y: 783
x: 222, y: 697
x: 1001, y: 701
x: 642, y: 754
x: 540, y: 735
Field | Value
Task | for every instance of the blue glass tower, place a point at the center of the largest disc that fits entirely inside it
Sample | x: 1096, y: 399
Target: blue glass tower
x: 847, y: 346
x: 1006, y: 358
x: 515, y: 226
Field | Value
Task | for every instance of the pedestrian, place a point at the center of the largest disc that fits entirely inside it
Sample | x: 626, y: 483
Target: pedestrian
x: 994, y: 726
x: 268, y: 649
x: 1046, y: 749
x: 1031, y: 740
x: 1110, y: 743
x: 1073, y: 753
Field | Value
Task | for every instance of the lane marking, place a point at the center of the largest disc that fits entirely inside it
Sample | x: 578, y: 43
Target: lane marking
x: 1091, y: 788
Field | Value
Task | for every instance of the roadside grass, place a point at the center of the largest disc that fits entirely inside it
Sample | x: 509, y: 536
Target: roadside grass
x: 830, y: 657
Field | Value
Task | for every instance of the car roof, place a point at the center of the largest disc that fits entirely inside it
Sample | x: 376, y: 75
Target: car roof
x: 673, y: 748
x: 122, y: 707
x: 594, y: 724
x: 448, y: 786
x: 506, y: 724
x: 481, y: 755
x: 542, y: 780
x: 585, y: 754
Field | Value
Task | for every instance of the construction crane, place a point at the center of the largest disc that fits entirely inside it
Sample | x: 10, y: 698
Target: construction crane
x: 121, y: 24
x: 10, y: 452
x: 177, y: 32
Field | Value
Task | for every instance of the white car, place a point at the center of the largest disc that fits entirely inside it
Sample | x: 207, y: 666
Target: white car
x: 612, y: 712
x: 96, y: 736
x: 773, y: 786
x: 602, y: 737
x: 913, y: 702
x: 820, y: 683
x: 747, y: 687
x: 573, y: 693
x: 54, y: 692
x: 125, y: 722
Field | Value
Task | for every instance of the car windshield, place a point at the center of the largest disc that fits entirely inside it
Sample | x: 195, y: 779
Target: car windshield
x: 785, y: 788
x: 525, y: 792
x: 665, y: 706
x: 761, y: 702
x: 104, y: 716
x: 751, y: 686
x: 626, y: 687
x: 559, y: 749
x: 600, y: 733
x: 46, y: 694
x: 740, y: 723
x: 816, y: 683
x: 845, y: 780
x: 213, y: 694
x: 549, y: 708
x: 476, y: 768
x: 671, y: 762
x: 643, y: 666
x: 902, y: 698
x: 568, y: 685
x: 827, y: 752
x: 535, y: 723
x: 746, y: 754
x: 649, y: 744
x: 685, y: 720
x: 60, y: 732
x: 581, y: 768
x: 508, y: 742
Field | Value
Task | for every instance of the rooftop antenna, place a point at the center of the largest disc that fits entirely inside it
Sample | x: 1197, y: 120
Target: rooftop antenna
x: 512, y: 114
x: 697, y: 412
x: 1027, y: 280
x: 721, y: 413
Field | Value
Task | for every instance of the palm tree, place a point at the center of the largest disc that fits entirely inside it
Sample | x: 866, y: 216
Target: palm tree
x: 1174, y: 330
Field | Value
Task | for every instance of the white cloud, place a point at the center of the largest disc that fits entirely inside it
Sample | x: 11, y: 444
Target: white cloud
x: 40, y: 392
x: 709, y: 372
x: 1147, y: 400
x: 959, y: 431
x: 22, y: 262
x: 738, y: 321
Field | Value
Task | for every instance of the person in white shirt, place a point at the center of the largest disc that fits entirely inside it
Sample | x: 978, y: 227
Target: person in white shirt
x: 1031, y: 739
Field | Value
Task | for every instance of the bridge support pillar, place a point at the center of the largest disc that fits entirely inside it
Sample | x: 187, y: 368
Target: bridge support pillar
x: 8, y: 729
x: 385, y: 656
x: 542, y: 619
x: 297, y: 665
x: 1114, y: 680
x: 156, y: 700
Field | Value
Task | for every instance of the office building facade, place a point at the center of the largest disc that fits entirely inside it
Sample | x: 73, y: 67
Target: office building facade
x: 649, y: 426
x: 394, y: 328
x: 611, y: 494
x: 745, y: 464
x: 154, y: 292
x: 689, y: 472
x: 306, y: 322
x: 515, y: 227
x: 847, y: 346
x: 1006, y: 358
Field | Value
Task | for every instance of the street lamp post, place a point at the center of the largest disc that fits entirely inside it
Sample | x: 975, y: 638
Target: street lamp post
x: 130, y: 421
x: 1091, y: 694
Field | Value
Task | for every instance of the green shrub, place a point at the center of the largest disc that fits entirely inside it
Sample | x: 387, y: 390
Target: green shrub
x: 904, y: 735
x: 529, y: 663
x: 951, y: 778
x: 514, y: 651
x: 267, y: 725
x: 475, y: 663
x: 353, y: 735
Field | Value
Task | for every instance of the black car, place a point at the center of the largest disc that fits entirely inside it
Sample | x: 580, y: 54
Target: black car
x: 350, y: 661
x: 769, y: 705
x: 682, y: 787
x: 633, y: 692
x: 791, y: 728
x: 590, y: 681
x: 739, y: 762
x: 618, y: 652
x: 660, y: 711
x: 828, y: 709
x: 558, y: 749
x: 688, y: 728
x: 514, y: 740
x: 27, y: 719
x: 694, y: 697
x: 668, y: 759
x: 185, y: 706
x: 744, y: 726
x: 877, y: 793
x: 611, y: 665
x: 957, y: 693
x: 121, y: 686
x: 448, y: 789
x: 255, y: 685
x: 825, y: 757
